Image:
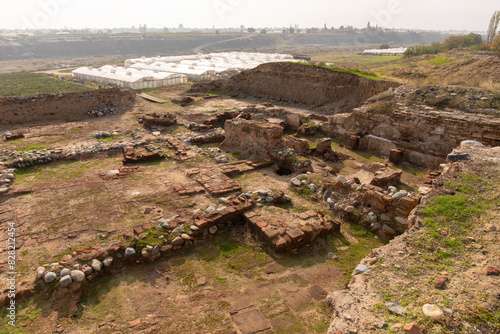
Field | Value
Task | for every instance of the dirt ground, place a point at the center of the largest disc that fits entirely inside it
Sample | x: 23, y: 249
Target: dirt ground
x: 214, y: 287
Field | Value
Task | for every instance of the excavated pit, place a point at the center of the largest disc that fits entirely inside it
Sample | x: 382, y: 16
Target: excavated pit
x: 370, y: 195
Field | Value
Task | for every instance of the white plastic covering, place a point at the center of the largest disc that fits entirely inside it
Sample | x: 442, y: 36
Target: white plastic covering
x: 385, y: 52
x: 205, y: 67
x: 129, y: 77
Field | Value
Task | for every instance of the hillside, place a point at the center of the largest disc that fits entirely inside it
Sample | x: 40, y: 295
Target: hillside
x: 448, y: 259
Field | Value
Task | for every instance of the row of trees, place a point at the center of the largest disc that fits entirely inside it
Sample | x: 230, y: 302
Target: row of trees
x: 452, y: 42
x: 472, y: 40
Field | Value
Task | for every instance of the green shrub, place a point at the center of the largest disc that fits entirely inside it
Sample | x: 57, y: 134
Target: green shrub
x: 496, y: 45
x: 465, y: 41
x: 452, y: 42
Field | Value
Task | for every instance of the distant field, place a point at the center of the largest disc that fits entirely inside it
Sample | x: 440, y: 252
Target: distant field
x: 21, y: 84
x: 353, y: 58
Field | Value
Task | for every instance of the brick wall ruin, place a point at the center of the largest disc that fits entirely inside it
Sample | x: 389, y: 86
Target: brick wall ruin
x: 255, y: 138
x: 45, y: 108
x: 425, y: 137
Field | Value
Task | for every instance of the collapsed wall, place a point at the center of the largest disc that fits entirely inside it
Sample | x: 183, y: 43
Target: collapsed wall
x: 299, y: 83
x: 45, y: 108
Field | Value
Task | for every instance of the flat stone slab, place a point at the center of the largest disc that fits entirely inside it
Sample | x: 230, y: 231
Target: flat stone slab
x: 214, y: 181
x: 250, y: 322
x: 239, y: 305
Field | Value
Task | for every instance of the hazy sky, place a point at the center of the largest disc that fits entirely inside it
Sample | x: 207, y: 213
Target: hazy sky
x: 413, y: 14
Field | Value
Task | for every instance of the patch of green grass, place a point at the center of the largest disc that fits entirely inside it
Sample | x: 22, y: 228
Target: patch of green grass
x: 31, y: 148
x: 180, y: 129
x: 109, y: 139
x: 236, y: 154
x: 239, y: 258
x: 451, y: 208
x: 220, y: 279
x: 356, y: 72
x: 353, y: 58
x: 22, y: 84
x: 300, y: 209
x: 440, y: 60
x: 61, y: 171
x: 26, y: 312
x: 350, y: 258
x: 485, y: 319
x: 151, y: 238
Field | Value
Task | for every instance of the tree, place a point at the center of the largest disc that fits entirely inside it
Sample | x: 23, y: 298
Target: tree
x: 251, y: 30
x: 263, y: 31
x: 492, y: 30
x: 496, y: 45
x: 455, y: 41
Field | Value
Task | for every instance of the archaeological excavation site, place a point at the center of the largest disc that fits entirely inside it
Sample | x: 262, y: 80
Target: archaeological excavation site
x: 287, y: 198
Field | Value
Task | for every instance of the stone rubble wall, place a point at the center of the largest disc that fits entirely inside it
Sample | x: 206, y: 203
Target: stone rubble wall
x: 46, y: 108
x: 434, y: 131
x: 282, y: 237
x: 424, y: 136
x: 75, y: 271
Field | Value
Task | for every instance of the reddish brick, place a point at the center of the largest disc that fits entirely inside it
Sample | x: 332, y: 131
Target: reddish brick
x: 492, y: 271
x: 270, y: 232
x: 308, y: 230
x: 412, y: 329
x: 261, y: 224
x: 296, y: 235
x: 201, y: 223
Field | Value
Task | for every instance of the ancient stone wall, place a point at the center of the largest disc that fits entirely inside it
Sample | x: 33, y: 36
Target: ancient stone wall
x: 436, y: 131
x: 293, y: 82
x: 425, y: 136
x: 45, y: 108
x: 255, y: 138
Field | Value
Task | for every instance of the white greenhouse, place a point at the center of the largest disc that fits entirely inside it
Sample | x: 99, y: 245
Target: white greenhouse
x: 142, y: 73
x: 385, y: 52
x: 193, y: 73
x: 205, y: 67
x: 129, y: 77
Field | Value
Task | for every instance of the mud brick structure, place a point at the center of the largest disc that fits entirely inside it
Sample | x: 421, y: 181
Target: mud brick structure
x: 187, y: 189
x: 386, y: 177
x: 255, y: 138
x: 130, y: 156
x: 155, y: 119
x: 292, y: 231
